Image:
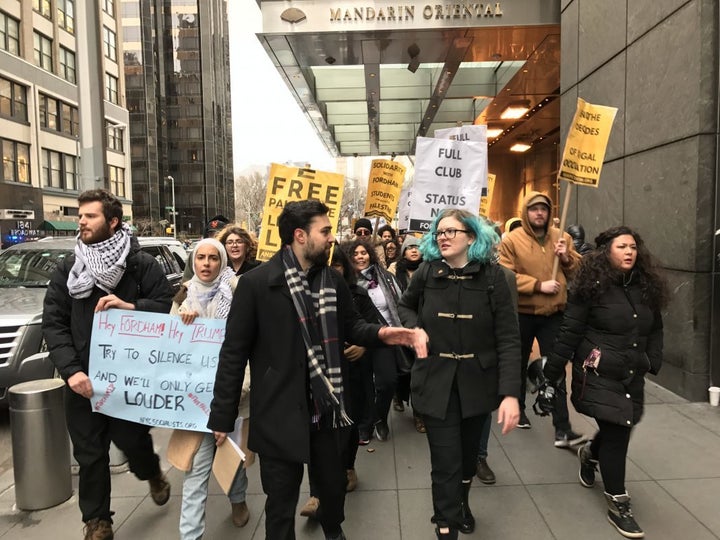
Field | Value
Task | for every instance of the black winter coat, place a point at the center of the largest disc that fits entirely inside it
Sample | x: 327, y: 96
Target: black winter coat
x: 629, y: 335
x: 263, y: 327
x: 471, y: 320
x: 67, y: 322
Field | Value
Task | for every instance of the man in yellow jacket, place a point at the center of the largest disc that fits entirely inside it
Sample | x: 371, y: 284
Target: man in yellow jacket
x: 530, y: 252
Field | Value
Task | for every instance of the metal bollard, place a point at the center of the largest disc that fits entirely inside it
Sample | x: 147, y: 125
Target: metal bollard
x: 40, y: 444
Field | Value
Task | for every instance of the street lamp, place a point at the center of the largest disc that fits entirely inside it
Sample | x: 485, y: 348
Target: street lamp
x: 172, y: 187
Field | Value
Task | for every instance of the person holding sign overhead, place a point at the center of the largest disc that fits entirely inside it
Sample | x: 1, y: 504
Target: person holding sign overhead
x: 530, y: 252
x: 461, y: 299
x: 207, y: 295
x: 107, y: 271
x: 290, y: 318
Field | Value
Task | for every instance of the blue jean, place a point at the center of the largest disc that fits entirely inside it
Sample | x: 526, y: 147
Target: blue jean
x: 485, y: 438
x: 195, y: 490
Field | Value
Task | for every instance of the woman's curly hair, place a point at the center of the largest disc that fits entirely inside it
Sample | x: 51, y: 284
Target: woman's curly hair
x: 596, y: 274
x: 247, y: 238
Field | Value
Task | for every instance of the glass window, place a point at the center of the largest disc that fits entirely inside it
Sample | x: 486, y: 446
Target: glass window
x: 109, y: 7
x: 9, y: 34
x: 43, y: 7
x: 6, y: 99
x: 66, y: 15
x: 53, y: 115
x: 70, y: 171
x: 111, y: 88
x: 117, y: 180
x: 13, y: 100
x: 110, y: 44
x: 66, y: 123
x: 67, y: 65
x: 16, y: 161
x: 52, y: 169
x: 115, y: 137
x: 43, y: 51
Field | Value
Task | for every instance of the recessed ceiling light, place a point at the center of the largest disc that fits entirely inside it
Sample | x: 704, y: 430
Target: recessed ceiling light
x: 520, y: 147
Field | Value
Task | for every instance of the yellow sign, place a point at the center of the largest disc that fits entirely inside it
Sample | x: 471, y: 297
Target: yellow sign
x: 486, y: 200
x: 383, y: 194
x: 288, y: 184
x: 586, y: 143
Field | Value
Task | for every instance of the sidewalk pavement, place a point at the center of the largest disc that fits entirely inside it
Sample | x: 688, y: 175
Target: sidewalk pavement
x: 673, y: 475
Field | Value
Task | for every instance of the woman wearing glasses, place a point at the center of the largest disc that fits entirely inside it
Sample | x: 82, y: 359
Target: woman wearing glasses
x: 384, y: 293
x: 241, y: 248
x: 463, y: 303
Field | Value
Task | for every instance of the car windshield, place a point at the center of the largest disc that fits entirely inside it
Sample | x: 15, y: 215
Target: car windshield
x: 29, y: 267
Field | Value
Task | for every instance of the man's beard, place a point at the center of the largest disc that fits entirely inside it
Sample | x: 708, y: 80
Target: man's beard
x: 101, y: 235
x: 316, y: 256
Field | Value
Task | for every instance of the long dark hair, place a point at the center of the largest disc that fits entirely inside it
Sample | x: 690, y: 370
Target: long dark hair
x: 350, y: 247
x: 596, y: 274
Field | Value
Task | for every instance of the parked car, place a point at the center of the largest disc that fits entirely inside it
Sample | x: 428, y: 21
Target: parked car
x: 25, y: 271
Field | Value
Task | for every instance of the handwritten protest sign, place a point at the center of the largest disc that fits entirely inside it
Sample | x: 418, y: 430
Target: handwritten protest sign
x: 448, y: 174
x: 470, y: 132
x: 586, y: 143
x: 296, y: 184
x: 152, y: 369
x: 384, y: 185
x: 486, y: 199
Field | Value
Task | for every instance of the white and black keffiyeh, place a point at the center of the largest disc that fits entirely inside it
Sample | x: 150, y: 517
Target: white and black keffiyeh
x: 101, y: 264
x: 317, y: 312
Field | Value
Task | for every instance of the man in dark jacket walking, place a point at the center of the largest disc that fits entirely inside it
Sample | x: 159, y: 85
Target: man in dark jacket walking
x: 290, y: 318
x: 107, y: 271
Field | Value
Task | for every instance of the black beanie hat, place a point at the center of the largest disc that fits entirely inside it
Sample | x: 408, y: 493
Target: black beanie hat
x: 363, y: 223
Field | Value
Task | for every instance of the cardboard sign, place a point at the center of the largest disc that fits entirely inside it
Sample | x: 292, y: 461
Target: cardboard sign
x: 152, y: 369
x: 287, y: 184
x: 448, y: 174
x: 463, y: 133
x: 384, y: 186
x: 586, y: 143
x: 486, y: 198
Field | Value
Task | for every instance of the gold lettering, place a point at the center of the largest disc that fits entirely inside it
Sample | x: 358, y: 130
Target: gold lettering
x: 498, y: 10
x: 347, y: 16
x: 427, y: 12
x: 358, y: 14
x: 488, y: 10
x: 438, y: 11
x: 335, y: 14
x: 467, y: 12
x: 409, y: 12
x: 381, y: 15
x: 391, y: 13
x: 370, y: 14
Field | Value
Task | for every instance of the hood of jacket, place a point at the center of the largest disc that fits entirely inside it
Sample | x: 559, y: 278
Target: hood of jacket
x: 534, y: 197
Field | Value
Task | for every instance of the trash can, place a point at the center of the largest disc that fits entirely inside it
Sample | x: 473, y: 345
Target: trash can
x: 40, y: 445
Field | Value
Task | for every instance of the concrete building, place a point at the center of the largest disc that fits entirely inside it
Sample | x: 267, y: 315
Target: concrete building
x: 61, y: 99
x: 177, y: 74
x: 373, y: 76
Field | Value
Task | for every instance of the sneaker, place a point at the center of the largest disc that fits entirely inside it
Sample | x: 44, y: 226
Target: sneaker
x: 620, y: 515
x: 566, y: 439
x: 588, y: 465
x: 364, y: 438
x: 382, y: 431
x: 98, y: 529
x: 351, y: 480
x: 484, y: 472
x: 159, y: 489
x: 240, y: 514
x: 311, y: 507
x: 524, y: 422
x: 419, y: 425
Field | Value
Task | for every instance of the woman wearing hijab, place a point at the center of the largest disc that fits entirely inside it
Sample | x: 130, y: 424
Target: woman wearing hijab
x: 207, y: 295
x: 463, y: 303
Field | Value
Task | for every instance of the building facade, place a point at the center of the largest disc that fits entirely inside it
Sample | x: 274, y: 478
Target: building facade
x: 177, y: 74
x: 61, y: 98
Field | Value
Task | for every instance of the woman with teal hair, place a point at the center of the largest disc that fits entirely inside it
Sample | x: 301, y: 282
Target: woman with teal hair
x: 463, y: 302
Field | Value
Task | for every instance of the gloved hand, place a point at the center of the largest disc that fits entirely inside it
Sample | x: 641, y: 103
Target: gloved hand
x: 545, y: 401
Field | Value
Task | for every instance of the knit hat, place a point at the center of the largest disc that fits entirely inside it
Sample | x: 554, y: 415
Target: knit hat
x: 215, y: 225
x: 363, y: 223
x: 408, y: 242
x: 539, y: 199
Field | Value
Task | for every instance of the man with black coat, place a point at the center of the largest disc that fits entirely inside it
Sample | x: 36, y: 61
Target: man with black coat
x: 291, y: 318
x: 107, y: 271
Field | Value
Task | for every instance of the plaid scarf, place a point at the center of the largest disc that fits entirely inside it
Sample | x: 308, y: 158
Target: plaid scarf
x: 101, y: 264
x: 317, y: 313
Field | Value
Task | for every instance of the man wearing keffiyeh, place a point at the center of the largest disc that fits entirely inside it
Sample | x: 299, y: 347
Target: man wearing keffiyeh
x: 108, y: 271
x: 290, y: 318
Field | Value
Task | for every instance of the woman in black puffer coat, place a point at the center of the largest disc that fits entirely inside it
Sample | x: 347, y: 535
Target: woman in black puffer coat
x: 613, y: 309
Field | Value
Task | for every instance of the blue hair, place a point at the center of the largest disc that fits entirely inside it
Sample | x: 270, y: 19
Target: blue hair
x: 482, y: 248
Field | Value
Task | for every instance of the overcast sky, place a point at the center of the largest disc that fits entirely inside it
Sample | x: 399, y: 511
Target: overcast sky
x: 268, y: 125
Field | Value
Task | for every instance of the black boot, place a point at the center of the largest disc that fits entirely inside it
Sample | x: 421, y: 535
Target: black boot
x: 621, y: 516
x: 451, y: 533
x: 468, y: 521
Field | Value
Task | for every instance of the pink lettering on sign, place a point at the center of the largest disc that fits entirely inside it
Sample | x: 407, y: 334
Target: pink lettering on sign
x: 203, y: 334
x: 196, y: 401
x: 130, y: 326
x: 100, y: 402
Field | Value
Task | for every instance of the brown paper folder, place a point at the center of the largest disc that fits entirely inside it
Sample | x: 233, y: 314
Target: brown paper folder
x: 228, y: 459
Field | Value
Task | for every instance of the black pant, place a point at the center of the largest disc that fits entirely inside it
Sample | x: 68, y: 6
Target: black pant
x: 281, y: 483
x: 384, y: 369
x: 544, y: 329
x: 91, y: 434
x: 454, y: 442
x: 610, y: 447
x: 357, y: 404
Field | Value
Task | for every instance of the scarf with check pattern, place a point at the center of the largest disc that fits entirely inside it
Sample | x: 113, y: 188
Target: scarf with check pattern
x: 317, y: 313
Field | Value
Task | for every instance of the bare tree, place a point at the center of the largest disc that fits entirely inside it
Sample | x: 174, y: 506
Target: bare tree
x: 249, y: 198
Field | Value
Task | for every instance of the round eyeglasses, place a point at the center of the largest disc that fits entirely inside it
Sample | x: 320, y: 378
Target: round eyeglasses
x: 449, y: 233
